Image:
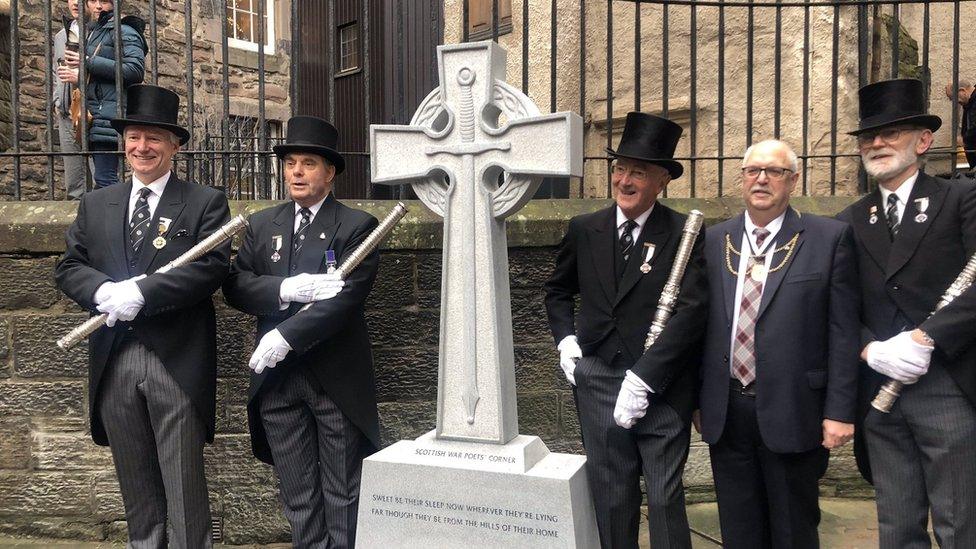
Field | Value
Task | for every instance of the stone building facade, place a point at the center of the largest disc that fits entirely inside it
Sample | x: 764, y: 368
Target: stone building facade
x: 820, y: 139
x: 54, y: 482
x: 207, y: 16
x: 820, y: 130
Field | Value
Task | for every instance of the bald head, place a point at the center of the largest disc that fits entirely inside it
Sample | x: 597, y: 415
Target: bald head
x: 963, y: 93
x: 775, y: 146
x: 769, y: 175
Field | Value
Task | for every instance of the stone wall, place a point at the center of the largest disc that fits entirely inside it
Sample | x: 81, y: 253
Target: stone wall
x: 54, y: 482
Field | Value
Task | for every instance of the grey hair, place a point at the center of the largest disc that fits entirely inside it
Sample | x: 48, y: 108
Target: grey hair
x: 790, y: 155
x: 965, y: 84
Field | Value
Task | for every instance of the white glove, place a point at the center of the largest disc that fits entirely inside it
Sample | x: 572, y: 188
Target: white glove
x: 103, y: 292
x: 124, y: 301
x: 569, y: 355
x: 631, y: 402
x: 271, y: 349
x: 900, y: 358
x: 306, y: 288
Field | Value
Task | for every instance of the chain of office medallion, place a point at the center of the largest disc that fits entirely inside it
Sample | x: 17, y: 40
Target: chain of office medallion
x: 729, y: 250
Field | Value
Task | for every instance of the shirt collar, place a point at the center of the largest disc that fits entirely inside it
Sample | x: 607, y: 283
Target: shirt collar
x: 903, y: 193
x: 314, y: 208
x: 156, y: 186
x: 773, y: 226
x: 641, y: 219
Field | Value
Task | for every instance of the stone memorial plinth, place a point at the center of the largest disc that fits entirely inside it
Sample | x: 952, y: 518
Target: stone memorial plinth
x: 475, y: 153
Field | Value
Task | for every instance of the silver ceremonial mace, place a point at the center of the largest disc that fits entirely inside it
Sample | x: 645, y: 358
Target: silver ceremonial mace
x: 891, y: 389
x: 368, y: 245
x: 206, y: 245
x: 669, y: 296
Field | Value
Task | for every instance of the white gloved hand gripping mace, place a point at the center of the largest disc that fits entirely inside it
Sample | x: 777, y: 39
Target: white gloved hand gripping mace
x: 368, y: 245
x: 891, y: 389
x: 203, y: 247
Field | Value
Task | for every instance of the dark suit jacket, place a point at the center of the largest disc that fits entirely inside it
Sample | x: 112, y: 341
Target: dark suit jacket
x: 330, y: 339
x: 903, y: 281
x: 614, y: 317
x: 177, y: 321
x: 806, y: 333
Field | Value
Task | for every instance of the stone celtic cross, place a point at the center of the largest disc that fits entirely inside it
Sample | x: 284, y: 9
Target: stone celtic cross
x: 453, y: 153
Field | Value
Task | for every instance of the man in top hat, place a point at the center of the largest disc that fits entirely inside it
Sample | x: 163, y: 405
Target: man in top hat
x: 914, y: 233
x: 152, y: 373
x: 779, y: 367
x: 634, y: 407
x: 312, y: 400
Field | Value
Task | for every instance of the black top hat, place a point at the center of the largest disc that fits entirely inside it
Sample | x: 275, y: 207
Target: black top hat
x: 312, y: 135
x: 651, y: 139
x: 894, y: 102
x: 148, y: 105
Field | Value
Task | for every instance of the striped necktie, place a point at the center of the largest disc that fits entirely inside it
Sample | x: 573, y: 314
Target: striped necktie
x: 891, y: 215
x: 139, y: 223
x: 298, y: 240
x: 626, y: 246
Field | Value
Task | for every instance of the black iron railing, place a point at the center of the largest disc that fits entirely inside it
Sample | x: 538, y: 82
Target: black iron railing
x: 722, y: 39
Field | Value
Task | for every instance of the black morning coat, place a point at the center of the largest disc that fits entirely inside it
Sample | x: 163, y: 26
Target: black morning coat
x: 903, y: 281
x: 330, y: 340
x: 178, y: 321
x: 615, y: 316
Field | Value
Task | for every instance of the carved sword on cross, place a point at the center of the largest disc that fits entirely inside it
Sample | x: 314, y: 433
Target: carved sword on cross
x: 453, y: 153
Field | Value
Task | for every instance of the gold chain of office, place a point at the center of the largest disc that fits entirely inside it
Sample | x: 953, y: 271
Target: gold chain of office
x: 788, y: 247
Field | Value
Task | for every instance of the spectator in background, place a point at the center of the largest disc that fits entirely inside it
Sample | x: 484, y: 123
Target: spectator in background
x: 74, y: 169
x: 100, y: 70
x: 967, y: 125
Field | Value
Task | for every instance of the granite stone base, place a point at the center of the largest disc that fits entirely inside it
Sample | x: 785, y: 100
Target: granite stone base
x: 433, y: 493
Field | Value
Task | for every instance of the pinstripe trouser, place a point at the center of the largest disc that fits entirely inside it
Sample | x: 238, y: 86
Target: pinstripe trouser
x: 157, y: 439
x: 923, y: 458
x: 657, y: 447
x: 318, y: 456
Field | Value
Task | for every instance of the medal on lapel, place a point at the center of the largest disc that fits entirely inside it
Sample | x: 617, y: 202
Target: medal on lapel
x: 874, y: 215
x: 159, y: 242
x: 922, y: 204
x: 276, y: 245
x: 648, y: 254
x: 330, y: 261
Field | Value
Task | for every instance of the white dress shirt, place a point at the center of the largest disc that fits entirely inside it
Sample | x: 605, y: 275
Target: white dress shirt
x: 640, y: 220
x: 314, y: 208
x: 904, y: 191
x: 156, y: 187
x: 746, y: 245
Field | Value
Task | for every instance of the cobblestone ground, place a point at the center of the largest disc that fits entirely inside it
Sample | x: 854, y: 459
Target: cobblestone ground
x: 846, y: 523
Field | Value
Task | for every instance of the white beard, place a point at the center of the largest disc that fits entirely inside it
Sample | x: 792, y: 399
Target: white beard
x: 889, y: 167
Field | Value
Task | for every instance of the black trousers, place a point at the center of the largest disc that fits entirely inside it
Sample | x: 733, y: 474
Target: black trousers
x: 318, y: 454
x: 657, y: 447
x: 765, y: 499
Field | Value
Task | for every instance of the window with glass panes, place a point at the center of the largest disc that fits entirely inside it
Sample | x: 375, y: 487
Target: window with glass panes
x: 243, y: 18
x: 348, y: 47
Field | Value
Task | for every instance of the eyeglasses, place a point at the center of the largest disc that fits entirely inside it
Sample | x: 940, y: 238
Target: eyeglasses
x: 637, y: 174
x: 887, y: 135
x: 772, y: 172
